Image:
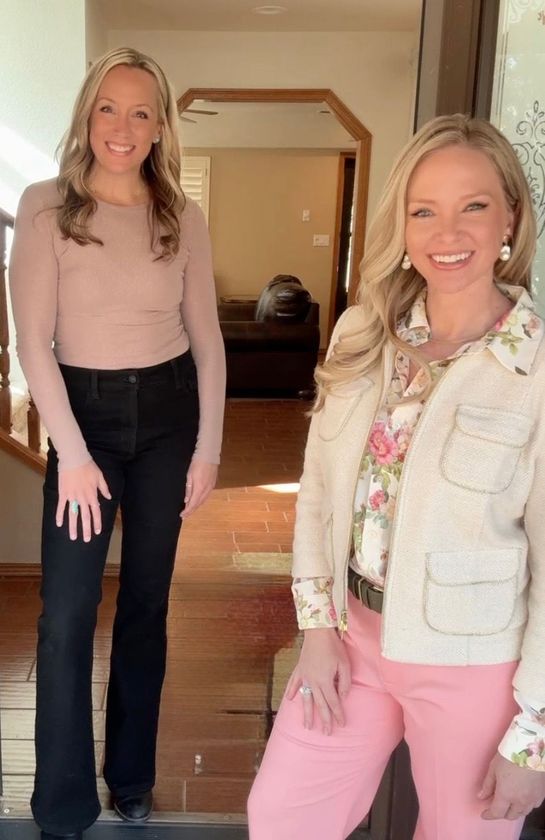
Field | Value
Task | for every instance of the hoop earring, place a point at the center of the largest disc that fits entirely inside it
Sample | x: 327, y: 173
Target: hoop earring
x: 505, y: 252
x: 406, y: 263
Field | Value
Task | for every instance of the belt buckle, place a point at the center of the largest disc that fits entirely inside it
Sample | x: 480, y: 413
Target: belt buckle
x: 363, y: 592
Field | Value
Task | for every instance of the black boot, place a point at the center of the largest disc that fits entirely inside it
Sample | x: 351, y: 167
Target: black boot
x: 135, y: 808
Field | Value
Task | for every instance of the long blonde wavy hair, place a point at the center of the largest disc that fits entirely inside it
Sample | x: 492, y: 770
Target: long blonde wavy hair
x: 160, y: 170
x: 386, y: 292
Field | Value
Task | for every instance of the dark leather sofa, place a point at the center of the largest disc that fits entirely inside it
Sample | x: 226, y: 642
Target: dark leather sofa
x: 273, y: 357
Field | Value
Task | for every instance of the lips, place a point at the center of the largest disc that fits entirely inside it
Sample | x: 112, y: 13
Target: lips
x: 120, y: 148
x: 451, y: 261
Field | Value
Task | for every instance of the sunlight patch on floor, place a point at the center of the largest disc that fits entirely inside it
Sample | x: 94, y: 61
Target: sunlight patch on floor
x: 292, y: 487
x: 263, y: 562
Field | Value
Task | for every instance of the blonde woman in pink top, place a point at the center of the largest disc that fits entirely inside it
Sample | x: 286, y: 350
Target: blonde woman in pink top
x: 117, y: 333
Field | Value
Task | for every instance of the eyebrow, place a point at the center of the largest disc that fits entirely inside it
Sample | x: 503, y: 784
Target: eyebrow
x: 138, y: 105
x: 463, y: 198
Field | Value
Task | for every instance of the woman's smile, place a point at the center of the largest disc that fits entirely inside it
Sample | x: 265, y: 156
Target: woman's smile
x: 451, y: 262
x: 119, y: 148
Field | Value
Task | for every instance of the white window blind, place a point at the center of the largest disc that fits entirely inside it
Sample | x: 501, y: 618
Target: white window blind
x: 196, y: 180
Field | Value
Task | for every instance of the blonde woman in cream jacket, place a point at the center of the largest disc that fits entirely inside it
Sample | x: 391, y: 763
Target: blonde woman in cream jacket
x: 420, y: 528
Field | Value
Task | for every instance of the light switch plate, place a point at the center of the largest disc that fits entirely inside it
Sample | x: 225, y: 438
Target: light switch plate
x: 320, y: 240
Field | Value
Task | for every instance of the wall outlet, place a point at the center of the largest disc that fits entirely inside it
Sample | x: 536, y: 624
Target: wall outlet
x: 305, y: 216
x: 320, y: 240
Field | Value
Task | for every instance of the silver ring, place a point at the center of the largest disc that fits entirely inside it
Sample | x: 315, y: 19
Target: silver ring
x: 74, y: 506
x: 305, y: 690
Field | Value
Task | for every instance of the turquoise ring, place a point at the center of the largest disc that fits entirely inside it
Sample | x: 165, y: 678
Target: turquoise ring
x: 74, y: 507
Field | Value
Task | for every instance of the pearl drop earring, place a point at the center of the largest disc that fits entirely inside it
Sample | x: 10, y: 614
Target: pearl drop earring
x: 505, y: 252
x: 406, y: 263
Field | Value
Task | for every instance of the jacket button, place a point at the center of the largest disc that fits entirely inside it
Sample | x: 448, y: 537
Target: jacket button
x: 132, y: 378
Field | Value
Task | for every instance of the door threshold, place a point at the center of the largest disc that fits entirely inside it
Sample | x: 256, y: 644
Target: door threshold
x: 163, y: 826
x: 115, y: 829
x: 18, y: 824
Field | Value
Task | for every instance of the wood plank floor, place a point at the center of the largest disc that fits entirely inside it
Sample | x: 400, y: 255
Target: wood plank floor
x: 232, y: 634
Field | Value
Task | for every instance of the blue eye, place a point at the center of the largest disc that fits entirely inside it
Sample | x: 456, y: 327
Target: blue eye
x: 422, y: 213
x: 476, y: 205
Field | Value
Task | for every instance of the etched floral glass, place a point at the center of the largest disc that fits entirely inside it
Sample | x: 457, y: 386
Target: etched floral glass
x: 518, y: 106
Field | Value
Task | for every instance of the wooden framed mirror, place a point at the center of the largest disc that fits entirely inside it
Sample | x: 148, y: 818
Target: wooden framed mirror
x: 350, y: 123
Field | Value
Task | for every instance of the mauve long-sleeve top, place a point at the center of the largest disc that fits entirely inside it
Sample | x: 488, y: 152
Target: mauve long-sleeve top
x: 113, y: 306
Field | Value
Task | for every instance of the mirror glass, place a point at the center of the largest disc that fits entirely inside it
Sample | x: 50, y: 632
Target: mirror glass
x: 270, y: 178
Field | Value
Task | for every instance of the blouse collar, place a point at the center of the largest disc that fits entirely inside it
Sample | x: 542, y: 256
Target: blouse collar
x: 513, y: 339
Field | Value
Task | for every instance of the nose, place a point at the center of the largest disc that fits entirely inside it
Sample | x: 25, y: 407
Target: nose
x: 122, y: 123
x: 449, y: 227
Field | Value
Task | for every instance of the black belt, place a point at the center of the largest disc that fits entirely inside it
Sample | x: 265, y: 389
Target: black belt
x: 364, y: 591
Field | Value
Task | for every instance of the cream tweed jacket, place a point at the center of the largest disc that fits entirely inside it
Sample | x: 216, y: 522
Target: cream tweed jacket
x: 465, y: 583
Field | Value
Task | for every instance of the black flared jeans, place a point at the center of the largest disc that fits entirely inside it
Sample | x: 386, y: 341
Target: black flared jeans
x: 140, y: 427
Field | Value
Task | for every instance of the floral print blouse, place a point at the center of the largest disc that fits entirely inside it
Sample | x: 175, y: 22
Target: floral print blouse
x: 511, y: 341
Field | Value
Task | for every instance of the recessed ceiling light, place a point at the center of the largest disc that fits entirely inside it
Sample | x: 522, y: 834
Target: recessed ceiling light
x: 269, y: 10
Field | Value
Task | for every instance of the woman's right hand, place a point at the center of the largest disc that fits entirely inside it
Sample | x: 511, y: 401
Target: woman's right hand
x: 81, y: 485
x: 325, y: 668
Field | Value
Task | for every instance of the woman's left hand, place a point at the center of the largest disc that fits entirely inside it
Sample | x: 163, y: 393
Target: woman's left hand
x: 201, y: 480
x: 514, y: 790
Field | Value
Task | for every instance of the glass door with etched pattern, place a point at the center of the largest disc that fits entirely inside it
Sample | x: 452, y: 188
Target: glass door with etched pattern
x: 518, y: 105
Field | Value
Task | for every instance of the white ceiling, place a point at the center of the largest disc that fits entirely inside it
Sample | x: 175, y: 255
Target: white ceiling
x: 264, y: 125
x: 237, y: 15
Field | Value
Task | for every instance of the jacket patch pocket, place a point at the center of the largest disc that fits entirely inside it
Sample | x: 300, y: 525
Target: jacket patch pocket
x: 484, y: 447
x: 471, y: 593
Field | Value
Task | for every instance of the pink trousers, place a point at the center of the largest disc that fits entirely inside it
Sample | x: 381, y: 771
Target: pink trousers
x: 316, y: 787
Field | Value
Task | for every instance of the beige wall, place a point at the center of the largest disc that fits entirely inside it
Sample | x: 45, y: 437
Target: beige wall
x: 257, y: 197
x: 374, y: 73
x: 21, y: 514
x: 42, y: 61
x: 20, y: 511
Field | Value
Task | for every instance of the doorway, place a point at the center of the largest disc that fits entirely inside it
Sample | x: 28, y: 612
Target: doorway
x: 344, y: 224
